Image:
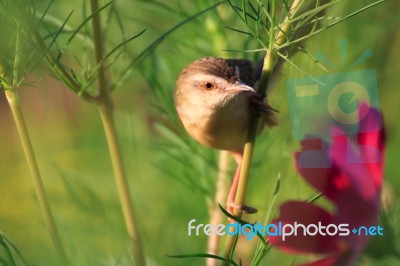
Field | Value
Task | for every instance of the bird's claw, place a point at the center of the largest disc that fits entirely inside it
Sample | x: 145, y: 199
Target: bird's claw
x: 232, y: 207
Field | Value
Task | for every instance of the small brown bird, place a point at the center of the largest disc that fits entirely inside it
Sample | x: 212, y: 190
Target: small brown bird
x: 215, y: 99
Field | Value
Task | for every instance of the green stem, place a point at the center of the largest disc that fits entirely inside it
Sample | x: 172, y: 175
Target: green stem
x: 106, y: 113
x: 269, y: 64
x: 122, y: 183
x: 14, y: 103
x: 16, y: 110
x: 216, y: 216
x: 248, y: 154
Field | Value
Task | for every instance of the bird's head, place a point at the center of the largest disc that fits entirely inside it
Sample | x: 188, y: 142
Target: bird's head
x: 211, y: 81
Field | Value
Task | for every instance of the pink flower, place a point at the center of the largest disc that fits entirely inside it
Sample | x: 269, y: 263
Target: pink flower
x: 348, y: 172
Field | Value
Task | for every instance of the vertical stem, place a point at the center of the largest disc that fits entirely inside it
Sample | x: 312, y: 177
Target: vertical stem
x: 106, y: 113
x: 98, y: 45
x: 269, y: 63
x: 248, y: 156
x: 13, y: 101
x: 216, y: 215
x: 122, y: 183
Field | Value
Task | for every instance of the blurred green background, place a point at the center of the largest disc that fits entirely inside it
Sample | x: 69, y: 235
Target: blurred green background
x: 172, y: 177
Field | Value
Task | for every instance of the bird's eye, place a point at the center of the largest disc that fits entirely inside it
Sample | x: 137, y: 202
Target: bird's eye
x: 209, y: 85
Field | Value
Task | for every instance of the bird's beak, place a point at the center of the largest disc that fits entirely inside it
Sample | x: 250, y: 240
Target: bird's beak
x: 239, y: 87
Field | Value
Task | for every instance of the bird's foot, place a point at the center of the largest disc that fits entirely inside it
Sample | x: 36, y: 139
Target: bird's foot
x: 232, y: 207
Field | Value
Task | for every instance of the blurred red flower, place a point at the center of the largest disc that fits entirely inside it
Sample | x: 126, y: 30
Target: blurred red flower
x: 349, y: 172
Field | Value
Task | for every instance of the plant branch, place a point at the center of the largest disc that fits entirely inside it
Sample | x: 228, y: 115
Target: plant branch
x: 14, y: 103
x: 149, y: 49
x: 303, y: 38
x: 60, y: 71
x: 268, y: 66
x: 216, y: 216
x: 18, y: 117
x: 106, y: 113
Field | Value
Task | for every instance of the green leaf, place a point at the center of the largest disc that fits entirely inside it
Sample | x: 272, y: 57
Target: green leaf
x: 314, y: 197
x: 262, y: 246
x: 146, y: 52
x: 204, y: 255
x: 299, y: 68
x: 85, y: 21
x: 237, y: 219
x: 240, y: 31
x: 331, y: 25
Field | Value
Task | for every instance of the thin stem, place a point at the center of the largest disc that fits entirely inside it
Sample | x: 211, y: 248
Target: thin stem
x: 122, y: 183
x: 229, y: 243
x: 98, y: 45
x: 216, y: 216
x: 281, y: 37
x: 13, y: 101
x: 269, y: 63
x: 106, y: 113
x: 16, y: 110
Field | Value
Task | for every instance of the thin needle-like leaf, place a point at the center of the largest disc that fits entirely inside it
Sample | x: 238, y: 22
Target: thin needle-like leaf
x: 8, y: 254
x: 92, y: 75
x: 85, y: 21
x: 313, y: 11
x: 256, y: 13
x: 125, y: 73
x: 236, y: 9
x: 244, y: 12
x: 239, y: 220
x: 44, y: 14
x: 122, y: 44
x: 332, y: 24
x: 314, y: 197
x: 8, y: 243
x: 315, y: 60
x: 285, y: 57
x: 245, y: 51
x: 262, y: 246
x: 203, y: 255
x: 240, y: 31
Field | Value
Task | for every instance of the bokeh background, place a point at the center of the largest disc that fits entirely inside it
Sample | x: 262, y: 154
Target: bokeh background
x: 172, y: 178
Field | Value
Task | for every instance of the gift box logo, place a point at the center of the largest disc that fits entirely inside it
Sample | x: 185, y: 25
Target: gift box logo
x: 315, y: 107
x: 317, y: 104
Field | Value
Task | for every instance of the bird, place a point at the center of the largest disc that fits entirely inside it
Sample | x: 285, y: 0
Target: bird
x: 215, y: 99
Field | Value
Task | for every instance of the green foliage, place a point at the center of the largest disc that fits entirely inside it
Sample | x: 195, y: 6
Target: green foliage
x: 9, y: 253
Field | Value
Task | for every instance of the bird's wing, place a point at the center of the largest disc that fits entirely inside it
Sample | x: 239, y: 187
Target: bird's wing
x: 269, y: 117
x: 245, y: 70
x: 249, y: 77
